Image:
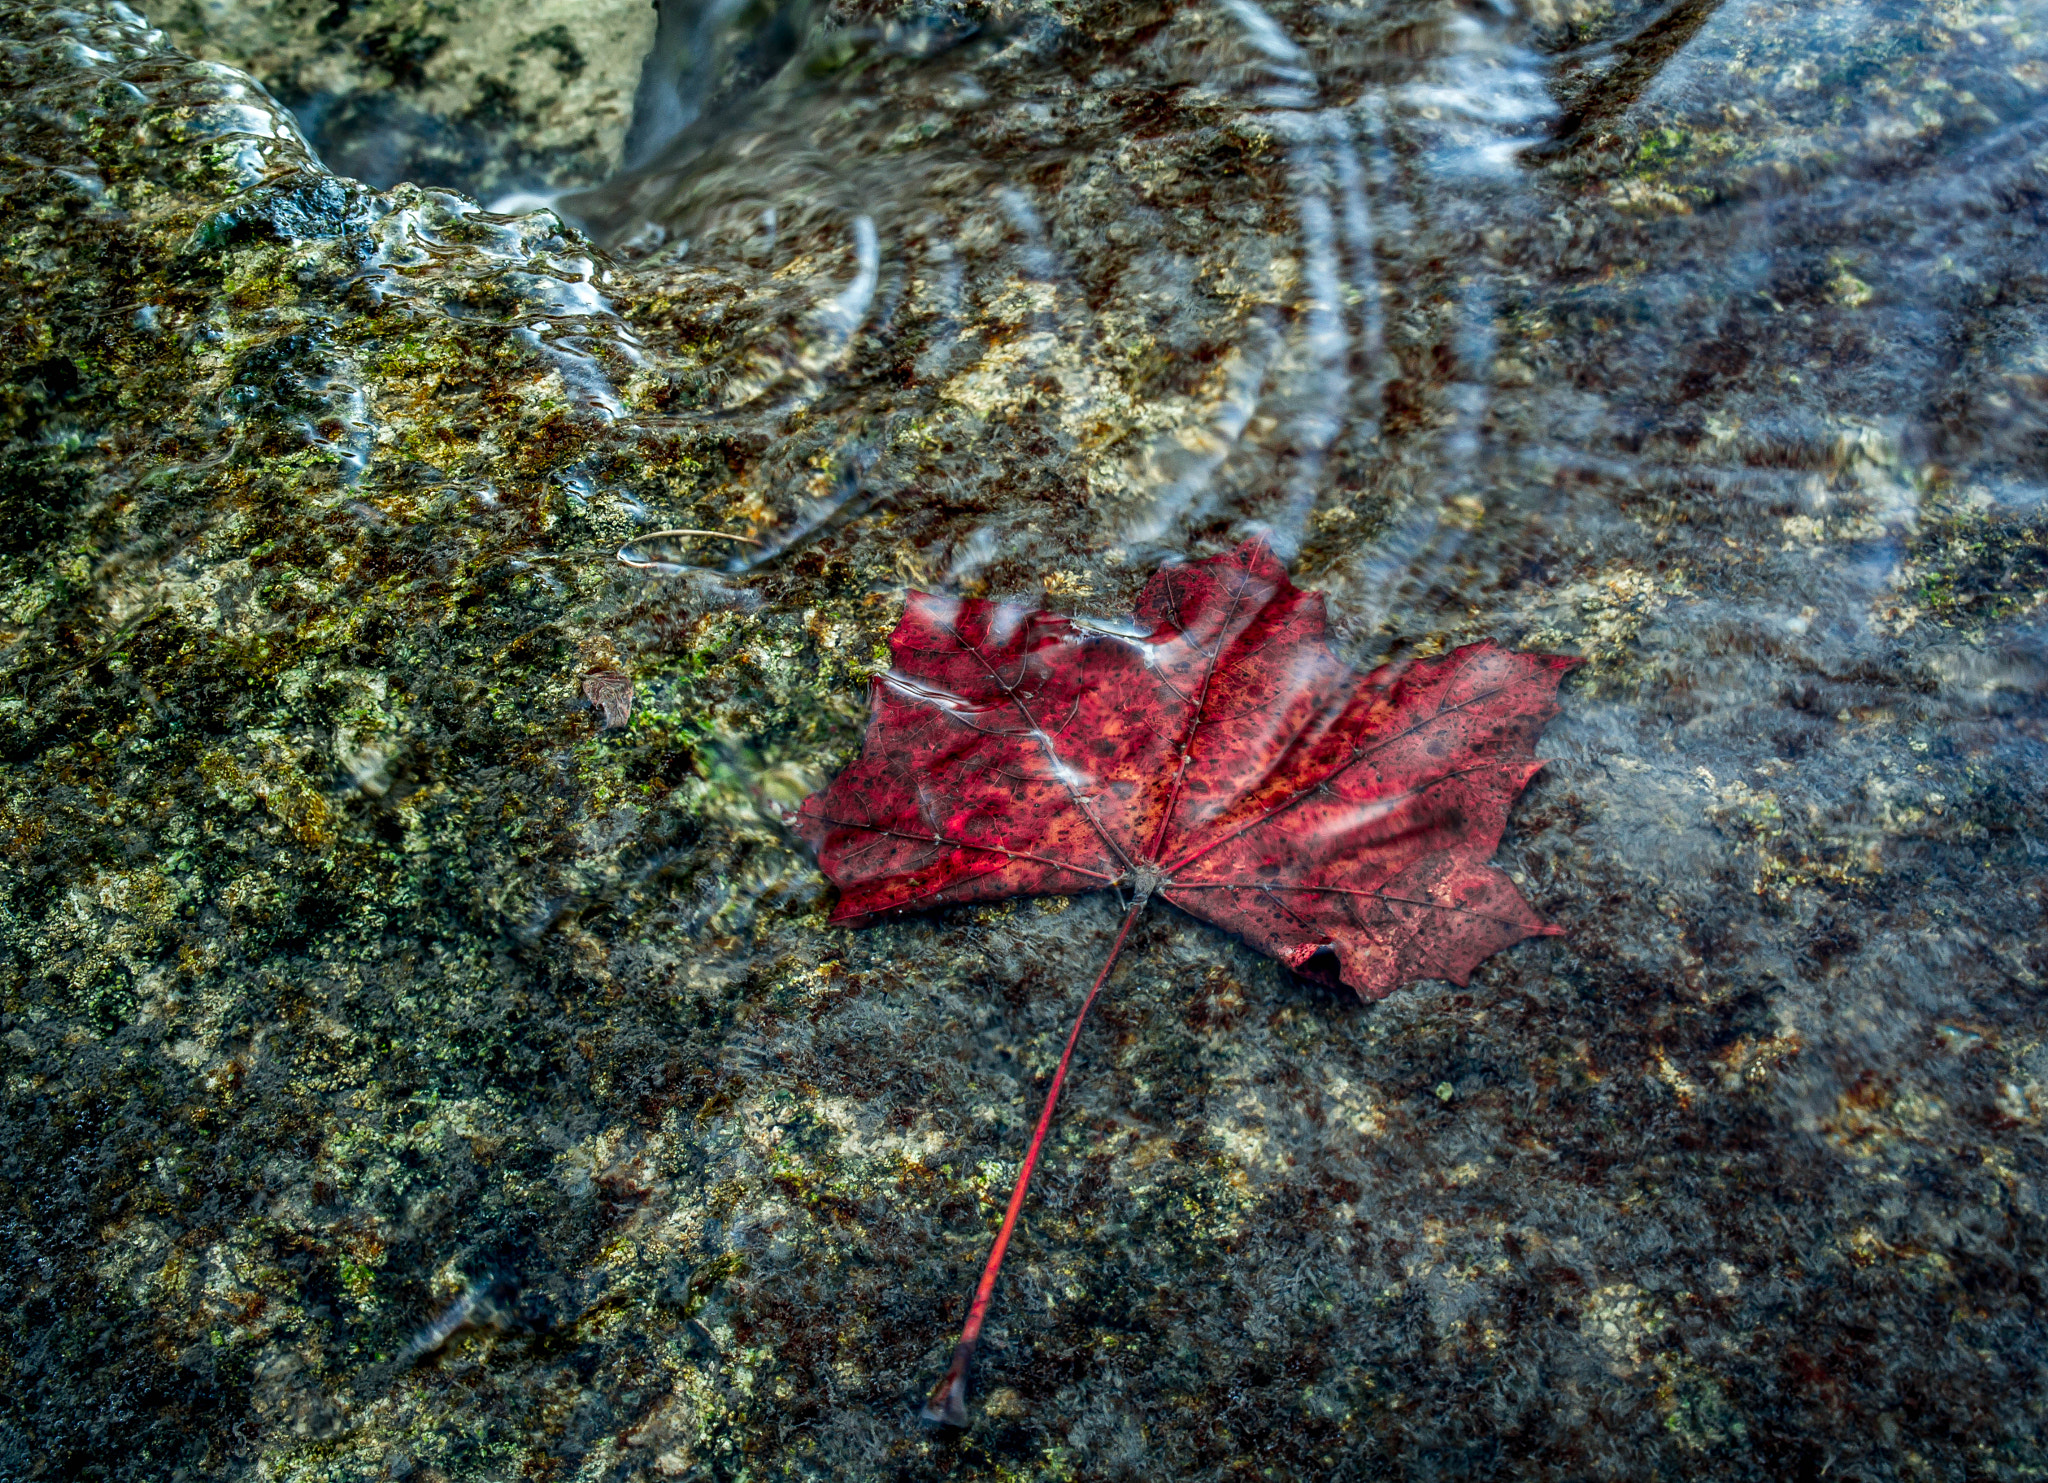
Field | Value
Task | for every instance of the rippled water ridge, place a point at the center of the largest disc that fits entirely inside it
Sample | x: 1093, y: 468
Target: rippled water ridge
x: 427, y: 1053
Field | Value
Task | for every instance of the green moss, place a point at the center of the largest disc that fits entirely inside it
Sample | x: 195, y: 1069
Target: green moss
x: 1969, y: 570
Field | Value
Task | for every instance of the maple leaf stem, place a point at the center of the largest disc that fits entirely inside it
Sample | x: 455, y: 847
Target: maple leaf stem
x: 947, y: 1405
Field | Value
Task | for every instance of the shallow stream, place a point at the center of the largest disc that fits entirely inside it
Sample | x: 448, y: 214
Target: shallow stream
x: 427, y: 1054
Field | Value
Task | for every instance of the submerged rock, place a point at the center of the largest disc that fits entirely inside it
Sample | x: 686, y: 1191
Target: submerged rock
x: 491, y: 100
x: 410, y: 1074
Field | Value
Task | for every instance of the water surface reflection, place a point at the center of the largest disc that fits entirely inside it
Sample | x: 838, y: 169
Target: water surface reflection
x: 1707, y: 342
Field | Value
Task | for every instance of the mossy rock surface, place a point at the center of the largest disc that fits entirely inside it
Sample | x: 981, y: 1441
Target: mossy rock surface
x: 409, y: 1075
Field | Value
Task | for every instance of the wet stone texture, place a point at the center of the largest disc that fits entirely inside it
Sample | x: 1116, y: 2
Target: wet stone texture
x: 489, y: 99
x: 413, y: 1072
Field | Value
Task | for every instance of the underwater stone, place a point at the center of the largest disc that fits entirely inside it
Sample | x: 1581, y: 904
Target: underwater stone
x: 353, y: 967
x: 480, y: 98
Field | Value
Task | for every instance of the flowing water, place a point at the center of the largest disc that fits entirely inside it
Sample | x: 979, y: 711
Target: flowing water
x: 1706, y: 341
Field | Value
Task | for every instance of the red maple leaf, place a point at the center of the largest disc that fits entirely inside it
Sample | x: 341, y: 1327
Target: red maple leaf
x: 1211, y: 752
